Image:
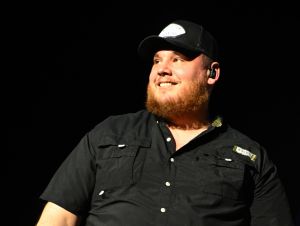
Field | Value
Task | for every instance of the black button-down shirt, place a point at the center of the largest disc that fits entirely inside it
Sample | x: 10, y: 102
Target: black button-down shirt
x: 126, y: 172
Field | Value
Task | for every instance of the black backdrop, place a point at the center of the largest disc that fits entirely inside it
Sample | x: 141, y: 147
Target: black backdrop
x: 73, y: 68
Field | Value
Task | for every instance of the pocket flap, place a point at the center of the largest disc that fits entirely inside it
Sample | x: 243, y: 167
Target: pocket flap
x: 116, y: 140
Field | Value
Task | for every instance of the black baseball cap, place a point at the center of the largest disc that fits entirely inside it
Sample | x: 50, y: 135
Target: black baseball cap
x: 184, y: 36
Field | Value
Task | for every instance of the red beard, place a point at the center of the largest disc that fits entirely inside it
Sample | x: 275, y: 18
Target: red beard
x: 195, y: 100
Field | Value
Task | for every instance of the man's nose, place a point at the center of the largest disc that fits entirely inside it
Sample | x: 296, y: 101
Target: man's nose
x: 164, y: 69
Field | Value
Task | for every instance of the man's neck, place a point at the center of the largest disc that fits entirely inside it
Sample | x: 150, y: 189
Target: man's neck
x: 188, y: 122
x: 183, y: 136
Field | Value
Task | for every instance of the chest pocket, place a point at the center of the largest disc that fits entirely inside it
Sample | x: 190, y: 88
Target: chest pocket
x: 222, y: 176
x: 120, y: 160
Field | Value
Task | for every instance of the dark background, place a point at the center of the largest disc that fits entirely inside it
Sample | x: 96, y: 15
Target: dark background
x: 71, y: 68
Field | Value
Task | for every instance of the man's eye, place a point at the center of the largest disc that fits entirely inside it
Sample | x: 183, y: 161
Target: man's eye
x: 178, y: 59
x: 155, y: 61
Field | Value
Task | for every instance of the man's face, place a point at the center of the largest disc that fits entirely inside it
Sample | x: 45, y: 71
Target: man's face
x: 177, y: 85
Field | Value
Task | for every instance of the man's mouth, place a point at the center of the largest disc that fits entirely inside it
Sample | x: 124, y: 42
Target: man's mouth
x: 166, y: 84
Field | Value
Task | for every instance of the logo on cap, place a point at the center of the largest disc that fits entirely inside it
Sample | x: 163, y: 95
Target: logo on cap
x: 172, y: 30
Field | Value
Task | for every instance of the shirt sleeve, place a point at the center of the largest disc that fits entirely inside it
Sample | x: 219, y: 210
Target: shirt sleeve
x: 73, y: 182
x: 270, y: 205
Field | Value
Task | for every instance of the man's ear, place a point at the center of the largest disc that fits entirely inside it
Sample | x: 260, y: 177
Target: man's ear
x: 213, y: 73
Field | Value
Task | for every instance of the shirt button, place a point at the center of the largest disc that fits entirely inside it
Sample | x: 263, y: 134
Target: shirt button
x: 169, y: 139
x: 163, y: 210
x: 168, y: 184
x: 172, y: 159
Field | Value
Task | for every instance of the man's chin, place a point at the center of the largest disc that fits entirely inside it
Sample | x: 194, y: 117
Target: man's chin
x: 162, y: 109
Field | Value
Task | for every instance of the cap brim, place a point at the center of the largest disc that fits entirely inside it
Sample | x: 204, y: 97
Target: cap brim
x: 150, y: 45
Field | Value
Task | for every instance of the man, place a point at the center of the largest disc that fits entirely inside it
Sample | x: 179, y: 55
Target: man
x: 170, y: 164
